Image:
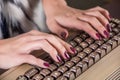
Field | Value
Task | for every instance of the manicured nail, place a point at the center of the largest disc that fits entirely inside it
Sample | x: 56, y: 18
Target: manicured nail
x: 46, y: 64
x: 109, y: 28
x: 110, y: 16
x: 66, y: 55
x: 59, y: 58
x: 63, y: 35
x: 107, y: 34
x: 99, y: 36
x: 73, y: 50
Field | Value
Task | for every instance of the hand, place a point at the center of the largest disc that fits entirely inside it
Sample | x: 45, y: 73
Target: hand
x: 15, y: 51
x: 59, y: 16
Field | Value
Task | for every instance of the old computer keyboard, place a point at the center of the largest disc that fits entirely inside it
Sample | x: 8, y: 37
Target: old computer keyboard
x: 89, y: 51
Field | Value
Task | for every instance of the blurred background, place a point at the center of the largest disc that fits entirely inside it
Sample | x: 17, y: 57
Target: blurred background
x: 85, y: 4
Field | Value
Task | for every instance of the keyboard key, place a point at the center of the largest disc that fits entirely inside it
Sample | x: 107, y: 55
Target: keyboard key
x: 106, y: 47
x: 99, y: 43
x: 81, y: 55
x: 63, y: 69
x: 78, y: 39
x: 45, y: 72
x: 87, y: 50
x: 73, y: 43
x: 95, y: 56
x: 78, y: 48
x: 52, y: 67
x: 48, y: 78
x: 84, y: 44
x: 113, y: 43
x: 38, y: 77
x: 56, y: 74
x: 82, y: 65
x: 77, y: 71
x: 94, y: 46
x: 70, y: 75
x: 117, y: 39
x: 75, y: 60
x: 62, y: 78
x: 101, y: 52
x: 69, y: 64
x: 30, y: 73
x: 84, y: 36
x: 89, y: 61
x: 89, y: 40
x: 22, y: 78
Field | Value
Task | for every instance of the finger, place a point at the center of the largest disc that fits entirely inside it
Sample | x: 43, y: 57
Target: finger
x: 58, y: 29
x: 68, y: 47
x: 99, y: 16
x: 60, y: 48
x: 103, y: 11
x: 96, y: 24
x: 30, y: 59
x: 41, y: 44
x: 78, y: 24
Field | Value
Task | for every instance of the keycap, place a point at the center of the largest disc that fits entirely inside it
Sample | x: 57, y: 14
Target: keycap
x: 77, y: 70
x: 89, y: 61
x: 89, y: 40
x: 62, y: 78
x: 82, y: 65
x: 95, y: 56
x: 87, y: 50
x: 84, y: 44
x: 78, y: 39
x: 69, y: 64
x: 81, y: 55
x: 101, y: 52
x: 52, y: 67
x: 73, y: 43
x: 99, y: 42
x: 58, y: 64
x: 106, y: 47
x: 56, y: 74
x: 115, y: 30
x: 70, y: 75
x: 94, y: 46
x: 63, y: 69
x: 84, y: 36
x: 45, y: 72
x: 116, y: 38
x: 78, y: 48
x: 31, y: 72
x: 37, y: 77
x: 113, y: 43
x: 48, y: 78
x: 22, y: 77
x: 75, y: 60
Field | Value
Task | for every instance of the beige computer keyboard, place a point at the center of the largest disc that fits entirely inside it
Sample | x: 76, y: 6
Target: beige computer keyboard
x: 80, y: 66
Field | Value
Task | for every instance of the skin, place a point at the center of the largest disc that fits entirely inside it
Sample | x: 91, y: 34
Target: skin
x: 59, y: 18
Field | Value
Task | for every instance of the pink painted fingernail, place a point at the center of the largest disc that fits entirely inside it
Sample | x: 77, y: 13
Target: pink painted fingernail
x: 66, y: 55
x: 63, y: 35
x: 73, y: 50
x: 46, y: 64
x: 106, y: 33
x: 109, y: 28
x: 59, y: 58
x: 99, y: 36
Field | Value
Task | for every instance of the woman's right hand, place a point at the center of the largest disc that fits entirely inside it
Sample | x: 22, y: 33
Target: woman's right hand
x: 15, y: 51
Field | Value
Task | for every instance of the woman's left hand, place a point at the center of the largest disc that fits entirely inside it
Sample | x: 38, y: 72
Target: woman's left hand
x: 59, y: 16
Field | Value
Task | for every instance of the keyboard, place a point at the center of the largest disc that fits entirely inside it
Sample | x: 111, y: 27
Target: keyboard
x: 89, y: 51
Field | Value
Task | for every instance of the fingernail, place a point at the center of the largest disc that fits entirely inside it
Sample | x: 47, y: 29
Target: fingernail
x: 73, y: 50
x: 63, y: 35
x: 59, y: 58
x: 106, y: 33
x: 46, y: 64
x: 66, y: 55
x: 99, y: 36
x: 109, y: 28
x: 110, y: 16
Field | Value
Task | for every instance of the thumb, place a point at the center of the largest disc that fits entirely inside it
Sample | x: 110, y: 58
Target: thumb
x: 30, y: 59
